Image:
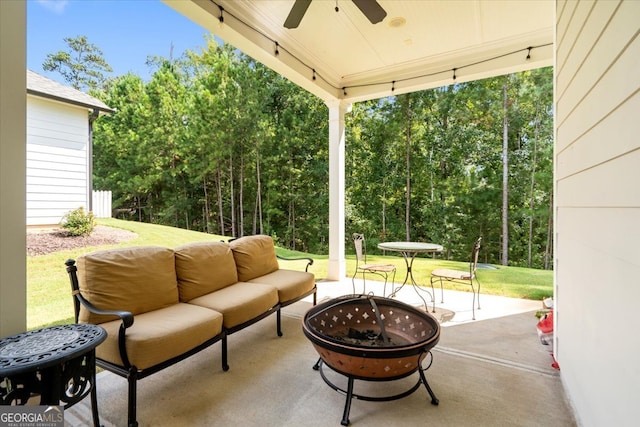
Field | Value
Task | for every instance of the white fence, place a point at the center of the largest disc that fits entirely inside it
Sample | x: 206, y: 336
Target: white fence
x: 101, y: 204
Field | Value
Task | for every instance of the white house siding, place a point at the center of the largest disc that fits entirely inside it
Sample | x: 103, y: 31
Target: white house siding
x: 57, y: 137
x: 597, y: 161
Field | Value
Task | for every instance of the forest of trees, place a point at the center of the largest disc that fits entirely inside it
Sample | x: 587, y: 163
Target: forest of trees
x: 216, y: 142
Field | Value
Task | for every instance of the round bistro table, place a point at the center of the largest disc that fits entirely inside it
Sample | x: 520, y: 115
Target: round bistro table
x: 409, y: 250
x: 57, y: 362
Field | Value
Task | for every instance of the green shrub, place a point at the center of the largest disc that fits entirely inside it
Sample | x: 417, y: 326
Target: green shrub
x: 78, y: 223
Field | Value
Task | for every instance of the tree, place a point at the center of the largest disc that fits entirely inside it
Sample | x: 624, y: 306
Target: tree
x: 219, y: 143
x: 82, y: 66
x: 120, y: 141
x: 505, y: 173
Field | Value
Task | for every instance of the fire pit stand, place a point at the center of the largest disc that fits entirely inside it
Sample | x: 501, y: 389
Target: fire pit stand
x: 372, y: 339
x: 351, y: 395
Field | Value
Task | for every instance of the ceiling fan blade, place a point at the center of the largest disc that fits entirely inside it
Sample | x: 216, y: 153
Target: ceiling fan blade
x: 371, y: 9
x: 297, y: 12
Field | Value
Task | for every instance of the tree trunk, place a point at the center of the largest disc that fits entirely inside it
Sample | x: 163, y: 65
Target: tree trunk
x: 548, y: 251
x: 258, y: 197
x: 534, y: 160
x: 241, y: 197
x: 431, y: 185
x: 505, y: 175
x: 292, y: 212
x: 254, y: 225
x: 384, y: 214
x: 232, y: 199
x: 206, y: 205
x: 220, y: 205
x: 407, y: 212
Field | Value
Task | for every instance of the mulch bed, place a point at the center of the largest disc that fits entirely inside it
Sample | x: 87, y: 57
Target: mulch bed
x: 45, y: 241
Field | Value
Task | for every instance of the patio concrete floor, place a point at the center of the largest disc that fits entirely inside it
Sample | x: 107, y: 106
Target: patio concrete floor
x: 490, y: 371
x: 455, y: 303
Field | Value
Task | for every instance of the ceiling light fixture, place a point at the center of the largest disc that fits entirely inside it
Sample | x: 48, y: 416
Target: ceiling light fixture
x: 397, y: 22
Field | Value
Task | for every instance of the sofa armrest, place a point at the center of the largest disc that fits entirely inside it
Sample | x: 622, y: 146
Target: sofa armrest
x: 126, y: 317
x: 309, y: 260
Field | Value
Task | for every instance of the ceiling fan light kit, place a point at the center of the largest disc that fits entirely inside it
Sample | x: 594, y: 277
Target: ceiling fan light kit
x: 369, y: 8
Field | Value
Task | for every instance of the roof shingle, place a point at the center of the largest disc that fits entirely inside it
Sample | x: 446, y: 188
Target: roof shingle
x: 41, y: 86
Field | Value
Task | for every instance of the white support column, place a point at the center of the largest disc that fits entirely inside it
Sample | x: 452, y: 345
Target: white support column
x: 337, y: 269
x: 13, y: 167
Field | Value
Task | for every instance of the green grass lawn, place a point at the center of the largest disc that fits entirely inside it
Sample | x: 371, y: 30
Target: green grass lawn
x: 49, y: 299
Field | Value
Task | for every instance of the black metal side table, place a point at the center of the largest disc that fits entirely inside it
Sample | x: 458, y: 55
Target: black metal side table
x: 57, y: 362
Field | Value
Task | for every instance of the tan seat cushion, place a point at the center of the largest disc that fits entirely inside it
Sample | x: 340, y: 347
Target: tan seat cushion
x: 446, y: 273
x: 255, y: 256
x: 290, y: 284
x: 240, y: 302
x: 204, y: 267
x: 136, y: 279
x: 159, y: 335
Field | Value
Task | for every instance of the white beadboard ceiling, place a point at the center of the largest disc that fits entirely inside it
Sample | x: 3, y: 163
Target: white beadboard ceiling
x: 356, y: 60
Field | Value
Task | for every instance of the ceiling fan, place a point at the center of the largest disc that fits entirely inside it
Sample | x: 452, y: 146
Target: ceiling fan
x: 370, y: 8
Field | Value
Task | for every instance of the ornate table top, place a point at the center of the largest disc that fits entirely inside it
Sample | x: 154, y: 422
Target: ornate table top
x: 416, y: 247
x: 46, y: 347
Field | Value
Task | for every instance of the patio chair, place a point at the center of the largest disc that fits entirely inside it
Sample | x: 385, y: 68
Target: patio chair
x: 464, y: 277
x: 382, y: 270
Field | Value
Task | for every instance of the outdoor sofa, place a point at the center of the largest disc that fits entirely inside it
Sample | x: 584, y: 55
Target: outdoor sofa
x: 161, y: 305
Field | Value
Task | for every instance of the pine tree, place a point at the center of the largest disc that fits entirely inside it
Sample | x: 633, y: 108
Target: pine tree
x: 82, y: 66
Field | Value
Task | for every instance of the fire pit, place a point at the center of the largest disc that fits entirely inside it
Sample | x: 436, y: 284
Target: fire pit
x: 371, y: 338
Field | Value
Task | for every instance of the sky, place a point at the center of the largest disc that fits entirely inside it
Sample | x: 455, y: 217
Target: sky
x: 127, y: 31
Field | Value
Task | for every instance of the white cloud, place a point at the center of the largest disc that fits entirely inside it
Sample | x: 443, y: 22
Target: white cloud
x: 56, y: 6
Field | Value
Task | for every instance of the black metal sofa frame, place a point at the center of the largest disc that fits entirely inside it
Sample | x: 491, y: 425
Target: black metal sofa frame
x: 131, y: 372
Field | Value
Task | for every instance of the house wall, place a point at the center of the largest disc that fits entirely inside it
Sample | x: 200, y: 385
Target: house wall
x: 597, y: 196
x: 57, y: 137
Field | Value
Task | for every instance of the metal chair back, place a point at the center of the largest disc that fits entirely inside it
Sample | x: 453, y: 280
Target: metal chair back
x: 473, y: 265
x: 358, y: 242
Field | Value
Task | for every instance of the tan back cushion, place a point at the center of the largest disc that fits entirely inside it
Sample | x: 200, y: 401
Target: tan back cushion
x: 137, y: 279
x: 204, y: 267
x: 255, y: 256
